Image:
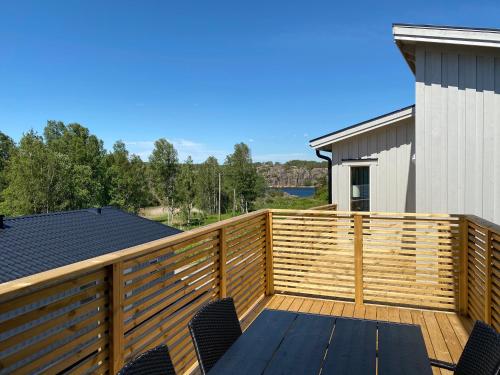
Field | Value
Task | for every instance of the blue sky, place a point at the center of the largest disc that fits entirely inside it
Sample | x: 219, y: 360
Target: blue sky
x: 209, y: 74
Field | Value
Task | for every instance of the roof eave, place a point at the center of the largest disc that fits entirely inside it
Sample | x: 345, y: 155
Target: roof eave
x: 407, y: 36
x: 322, y: 143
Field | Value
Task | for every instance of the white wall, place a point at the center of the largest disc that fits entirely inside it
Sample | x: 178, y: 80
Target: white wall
x: 457, y: 131
x: 392, y: 177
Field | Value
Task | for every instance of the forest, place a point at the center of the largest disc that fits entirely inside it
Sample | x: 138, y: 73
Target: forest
x: 68, y: 168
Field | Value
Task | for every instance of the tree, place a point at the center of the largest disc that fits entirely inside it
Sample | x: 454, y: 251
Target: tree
x: 127, y: 176
x: 53, y: 131
x: 186, y: 187
x: 241, y: 175
x: 321, y: 189
x: 163, y: 168
x: 7, y: 148
x: 87, y: 156
x: 38, y: 179
x: 208, y: 185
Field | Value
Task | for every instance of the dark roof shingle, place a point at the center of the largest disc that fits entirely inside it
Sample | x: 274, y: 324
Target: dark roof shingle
x: 33, y: 244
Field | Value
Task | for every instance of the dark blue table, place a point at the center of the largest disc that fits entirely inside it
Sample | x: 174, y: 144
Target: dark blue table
x: 282, y: 342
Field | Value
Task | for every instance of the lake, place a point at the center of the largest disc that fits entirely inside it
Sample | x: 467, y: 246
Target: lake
x: 302, y: 192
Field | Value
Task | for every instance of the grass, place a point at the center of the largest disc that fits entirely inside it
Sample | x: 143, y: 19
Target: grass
x: 196, y: 222
x: 269, y: 201
x: 162, y: 218
x: 288, y: 202
x: 215, y: 218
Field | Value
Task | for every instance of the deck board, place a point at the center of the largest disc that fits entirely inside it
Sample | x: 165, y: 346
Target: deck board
x: 445, y: 334
x: 327, y: 307
x: 306, y: 306
x: 359, y: 311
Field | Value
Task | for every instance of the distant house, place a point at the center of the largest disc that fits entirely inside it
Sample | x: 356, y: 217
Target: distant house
x: 443, y: 153
x: 37, y: 243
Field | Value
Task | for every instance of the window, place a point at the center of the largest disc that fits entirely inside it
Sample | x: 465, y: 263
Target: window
x: 360, y: 188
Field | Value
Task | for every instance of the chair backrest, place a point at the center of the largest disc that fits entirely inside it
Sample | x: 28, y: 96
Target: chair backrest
x: 152, y: 362
x: 214, y: 328
x: 481, y: 355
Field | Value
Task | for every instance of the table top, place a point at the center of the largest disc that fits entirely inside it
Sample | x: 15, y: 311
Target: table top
x: 283, y: 342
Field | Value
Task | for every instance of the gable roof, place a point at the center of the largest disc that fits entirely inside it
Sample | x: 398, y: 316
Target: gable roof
x: 406, y: 36
x: 322, y: 142
x: 37, y: 243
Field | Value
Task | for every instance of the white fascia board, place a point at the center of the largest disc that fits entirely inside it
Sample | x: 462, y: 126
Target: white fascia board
x: 359, y: 163
x: 447, y: 35
x: 363, y: 128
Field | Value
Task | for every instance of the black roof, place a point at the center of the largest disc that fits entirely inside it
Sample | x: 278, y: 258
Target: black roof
x: 37, y: 243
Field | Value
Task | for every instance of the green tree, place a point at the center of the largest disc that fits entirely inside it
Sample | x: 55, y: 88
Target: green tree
x: 38, y: 179
x: 7, y: 148
x: 186, y: 187
x: 208, y: 185
x: 163, y: 168
x: 87, y: 156
x: 53, y: 131
x: 321, y: 191
x: 241, y: 176
x: 127, y: 176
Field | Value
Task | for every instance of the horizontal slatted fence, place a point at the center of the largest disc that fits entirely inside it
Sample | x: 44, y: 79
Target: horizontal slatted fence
x: 325, y: 207
x: 246, y: 262
x: 495, y: 282
x: 61, y: 328
x: 313, y: 253
x: 411, y: 260
x: 483, y: 278
x: 92, y: 317
x: 476, y: 250
x: 163, y: 289
x: 129, y: 301
x: 404, y: 259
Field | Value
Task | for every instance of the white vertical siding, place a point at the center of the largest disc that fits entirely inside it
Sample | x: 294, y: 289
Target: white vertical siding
x: 457, y: 130
x: 392, y: 182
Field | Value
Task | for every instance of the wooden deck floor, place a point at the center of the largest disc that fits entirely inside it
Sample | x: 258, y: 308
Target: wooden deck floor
x: 445, y: 334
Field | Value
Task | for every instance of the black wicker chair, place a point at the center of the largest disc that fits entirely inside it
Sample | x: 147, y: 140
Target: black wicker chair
x: 481, y: 355
x: 153, y: 362
x: 214, y: 328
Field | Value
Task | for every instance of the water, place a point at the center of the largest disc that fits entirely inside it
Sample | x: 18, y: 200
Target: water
x: 302, y: 192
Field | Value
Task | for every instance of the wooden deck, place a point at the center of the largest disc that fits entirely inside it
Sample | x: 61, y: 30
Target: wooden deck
x: 123, y: 303
x: 445, y: 334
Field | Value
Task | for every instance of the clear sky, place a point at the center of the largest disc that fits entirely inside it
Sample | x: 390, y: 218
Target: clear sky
x: 209, y: 74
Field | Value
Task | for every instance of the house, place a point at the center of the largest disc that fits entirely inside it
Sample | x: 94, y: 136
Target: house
x: 440, y: 155
x: 37, y: 243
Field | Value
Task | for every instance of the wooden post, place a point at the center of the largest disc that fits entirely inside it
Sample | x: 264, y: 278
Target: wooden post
x: 116, y: 317
x: 463, y: 276
x: 269, y: 255
x: 222, y: 263
x: 358, y: 259
x: 487, y: 289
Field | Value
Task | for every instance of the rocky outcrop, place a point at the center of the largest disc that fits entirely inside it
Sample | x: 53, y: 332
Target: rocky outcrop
x: 279, y: 175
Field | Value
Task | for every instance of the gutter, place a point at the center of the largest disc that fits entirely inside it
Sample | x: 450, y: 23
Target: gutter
x: 329, y: 160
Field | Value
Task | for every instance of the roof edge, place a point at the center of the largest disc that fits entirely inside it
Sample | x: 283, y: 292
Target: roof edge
x: 446, y: 27
x: 467, y: 36
x: 362, y: 127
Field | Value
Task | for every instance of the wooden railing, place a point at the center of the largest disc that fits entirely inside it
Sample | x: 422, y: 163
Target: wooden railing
x: 326, y: 207
x: 403, y: 259
x: 93, y: 316
x: 482, y: 279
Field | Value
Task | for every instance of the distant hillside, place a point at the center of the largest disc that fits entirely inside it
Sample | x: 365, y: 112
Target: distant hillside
x: 294, y: 173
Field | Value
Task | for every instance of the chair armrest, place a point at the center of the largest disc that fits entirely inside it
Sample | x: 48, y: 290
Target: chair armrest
x: 442, y: 364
